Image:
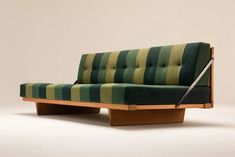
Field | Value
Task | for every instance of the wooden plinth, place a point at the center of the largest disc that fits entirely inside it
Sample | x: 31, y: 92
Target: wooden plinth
x: 53, y: 109
x: 121, y: 117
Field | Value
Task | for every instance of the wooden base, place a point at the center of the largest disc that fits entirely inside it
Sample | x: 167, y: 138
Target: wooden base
x: 53, y: 109
x: 118, y: 117
x: 121, y: 117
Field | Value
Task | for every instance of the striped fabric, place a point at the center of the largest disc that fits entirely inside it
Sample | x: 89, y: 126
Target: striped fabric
x: 114, y: 93
x: 106, y: 93
x: 165, y: 65
x: 156, y: 75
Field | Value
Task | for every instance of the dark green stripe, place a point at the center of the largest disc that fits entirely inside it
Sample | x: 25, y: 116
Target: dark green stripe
x: 59, y: 92
x: 95, y: 67
x: 103, y: 67
x: 67, y: 92
x: 188, y: 64
x: 42, y: 90
x: 163, y: 60
x: 202, y: 60
x: 95, y: 93
x: 81, y: 68
x: 163, y: 94
x: 151, y: 65
x: 121, y: 65
x: 118, y: 94
x: 85, y: 93
x: 131, y: 66
x: 22, y: 90
x: 35, y: 90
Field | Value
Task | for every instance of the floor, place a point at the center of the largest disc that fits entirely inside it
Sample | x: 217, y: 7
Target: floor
x: 209, y: 132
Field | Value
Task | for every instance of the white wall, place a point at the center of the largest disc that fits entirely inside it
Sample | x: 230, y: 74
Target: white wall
x: 42, y: 40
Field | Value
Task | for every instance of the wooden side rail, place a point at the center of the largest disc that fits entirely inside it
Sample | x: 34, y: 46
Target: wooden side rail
x: 212, y: 77
x: 115, y: 106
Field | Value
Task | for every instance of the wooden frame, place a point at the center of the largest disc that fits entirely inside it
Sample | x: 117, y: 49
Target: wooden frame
x: 212, y: 77
x: 123, y: 114
x: 116, y: 106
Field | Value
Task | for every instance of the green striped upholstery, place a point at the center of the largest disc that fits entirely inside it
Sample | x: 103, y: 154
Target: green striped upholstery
x: 115, y: 93
x: 156, y: 75
x: 165, y: 65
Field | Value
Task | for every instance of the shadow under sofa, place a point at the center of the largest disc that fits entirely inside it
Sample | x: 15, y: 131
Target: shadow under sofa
x: 139, y: 86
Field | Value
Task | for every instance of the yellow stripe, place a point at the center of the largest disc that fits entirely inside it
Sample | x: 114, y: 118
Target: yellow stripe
x: 75, y: 93
x: 88, y: 68
x: 141, y: 59
x: 111, y: 67
x: 50, y: 91
x: 106, y: 93
x: 175, y: 61
x: 29, y: 90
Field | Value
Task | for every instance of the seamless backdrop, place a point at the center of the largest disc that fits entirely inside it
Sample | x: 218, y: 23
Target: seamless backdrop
x: 42, y: 40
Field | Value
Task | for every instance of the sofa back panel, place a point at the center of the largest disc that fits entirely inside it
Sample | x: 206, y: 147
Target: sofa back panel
x: 164, y: 65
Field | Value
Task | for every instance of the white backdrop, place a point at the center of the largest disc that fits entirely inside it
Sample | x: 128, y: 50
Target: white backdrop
x: 42, y: 41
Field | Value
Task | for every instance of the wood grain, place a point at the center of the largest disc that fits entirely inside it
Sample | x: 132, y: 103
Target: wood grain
x: 53, y: 109
x: 116, y: 106
x: 120, y: 117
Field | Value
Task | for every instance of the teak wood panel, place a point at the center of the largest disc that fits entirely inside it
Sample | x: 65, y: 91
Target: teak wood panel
x: 121, y: 117
x: 48, y: 109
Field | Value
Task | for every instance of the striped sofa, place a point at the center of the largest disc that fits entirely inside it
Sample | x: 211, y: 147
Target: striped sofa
x: 132, y: 84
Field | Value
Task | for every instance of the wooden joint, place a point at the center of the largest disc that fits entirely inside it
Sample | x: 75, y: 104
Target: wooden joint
x: 208, y: 105
x: 132, y: 107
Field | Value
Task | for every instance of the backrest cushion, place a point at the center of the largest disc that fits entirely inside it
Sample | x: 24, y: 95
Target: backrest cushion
x: 163, y: 65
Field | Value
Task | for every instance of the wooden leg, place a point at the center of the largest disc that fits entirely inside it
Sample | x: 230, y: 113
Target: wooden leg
x: 52, y: 109
x: 121, y: 117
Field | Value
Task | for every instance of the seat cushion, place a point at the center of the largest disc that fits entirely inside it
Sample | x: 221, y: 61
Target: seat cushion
x: 115, y: 93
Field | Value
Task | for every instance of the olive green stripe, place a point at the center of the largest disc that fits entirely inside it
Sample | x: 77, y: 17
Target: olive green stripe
x: 35, y: 90
x: 141, y: 59
x: 161, y: 70
x: 131, y: 64
x: 95, y: 68
x: 50, y: 91
x: 88, y: 68
x: 81, y: 68
x: 120, y: 66
x: 175, y: 61
x: 119, y: 93
x: 106, y: 93
x: 59, y: 91
x: 29, y: 90
x: 75, y: 93
x: 151, y: 65
x: 111, y: 68
x: 85, y: 92
x: 102, y: 68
